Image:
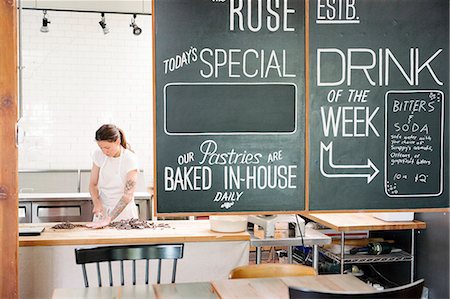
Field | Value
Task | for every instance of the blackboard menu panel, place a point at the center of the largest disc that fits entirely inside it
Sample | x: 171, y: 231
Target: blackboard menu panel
x: 230, y: 116
x: 379, y: 104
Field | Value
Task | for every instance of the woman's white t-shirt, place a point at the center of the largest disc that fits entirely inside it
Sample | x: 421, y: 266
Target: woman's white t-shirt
x: 112, y: 180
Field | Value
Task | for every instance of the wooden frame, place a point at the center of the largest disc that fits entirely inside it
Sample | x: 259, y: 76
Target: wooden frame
x: 9, y: 282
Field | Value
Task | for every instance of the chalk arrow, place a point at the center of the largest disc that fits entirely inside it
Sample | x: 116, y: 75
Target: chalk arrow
x: 370, y: 174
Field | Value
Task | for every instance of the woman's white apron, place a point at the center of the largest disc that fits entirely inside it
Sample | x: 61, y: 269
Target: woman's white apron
x: 111, y: 187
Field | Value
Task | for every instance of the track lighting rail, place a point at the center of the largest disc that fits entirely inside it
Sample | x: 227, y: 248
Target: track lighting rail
x: 88, y: 11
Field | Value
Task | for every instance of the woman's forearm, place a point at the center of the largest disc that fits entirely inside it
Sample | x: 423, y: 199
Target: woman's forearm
x: 95, y: 195
x: 124, y: 200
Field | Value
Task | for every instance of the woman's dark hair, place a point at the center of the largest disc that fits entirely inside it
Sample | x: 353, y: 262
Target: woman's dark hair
x: 111, y: 133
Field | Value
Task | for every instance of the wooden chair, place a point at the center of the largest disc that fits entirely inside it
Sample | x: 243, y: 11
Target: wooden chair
x: 271, y: 270
x: 411, y: 291
x: 131, y: 253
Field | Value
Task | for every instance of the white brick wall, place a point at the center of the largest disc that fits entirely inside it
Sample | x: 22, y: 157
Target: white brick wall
x: 75, y: 79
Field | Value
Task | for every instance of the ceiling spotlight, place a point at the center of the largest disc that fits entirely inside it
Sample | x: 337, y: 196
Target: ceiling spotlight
x: 136, y: 29
x: 103, y: 24
x: 45, y: 23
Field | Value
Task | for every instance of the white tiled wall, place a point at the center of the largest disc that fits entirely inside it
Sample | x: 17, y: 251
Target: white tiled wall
x: 75, y: 79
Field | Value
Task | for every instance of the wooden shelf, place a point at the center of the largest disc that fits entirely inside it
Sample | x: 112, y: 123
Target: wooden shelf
x: 344, y: 222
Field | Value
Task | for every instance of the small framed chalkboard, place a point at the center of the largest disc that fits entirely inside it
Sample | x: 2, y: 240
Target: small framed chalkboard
x: 414, y: 157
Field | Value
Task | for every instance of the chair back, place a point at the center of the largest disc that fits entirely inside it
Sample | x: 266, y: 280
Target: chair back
x: 411, y: 291
x: 271, y: 270
x: 131, y: 253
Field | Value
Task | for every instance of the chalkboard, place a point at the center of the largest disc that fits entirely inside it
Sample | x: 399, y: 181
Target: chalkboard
x: 230, y: 113
x: 379, y: 104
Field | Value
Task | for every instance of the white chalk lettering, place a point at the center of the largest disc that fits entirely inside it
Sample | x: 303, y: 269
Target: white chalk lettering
x: 228, y: 196
x: 348, y: 121
x: 250, y: 63
x: 210, y: 155
x: 260, y: 177
x: 243, y: 15
x: 376, y: 68
x: 180, y: 60
x: 187, y: 178
x: 413, y: 128
x: 329, y: 11
x: 413, y: 105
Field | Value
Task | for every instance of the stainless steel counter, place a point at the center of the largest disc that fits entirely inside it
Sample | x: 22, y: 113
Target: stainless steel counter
x: 74, y: 207
x: 56, y: 195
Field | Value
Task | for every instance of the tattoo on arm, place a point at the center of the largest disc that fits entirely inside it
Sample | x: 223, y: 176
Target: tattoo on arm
x: 123, y: 202
x: 129, y: 186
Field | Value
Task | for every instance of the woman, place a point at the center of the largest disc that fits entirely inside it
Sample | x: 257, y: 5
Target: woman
x: 113, y: 177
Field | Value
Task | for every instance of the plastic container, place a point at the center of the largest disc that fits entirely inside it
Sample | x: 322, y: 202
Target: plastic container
x: 228, y: 224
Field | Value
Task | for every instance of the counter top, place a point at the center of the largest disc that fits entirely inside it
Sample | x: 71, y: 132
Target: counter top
x: 179, y: 231
x: 66, y: 196
x: 361, y: 221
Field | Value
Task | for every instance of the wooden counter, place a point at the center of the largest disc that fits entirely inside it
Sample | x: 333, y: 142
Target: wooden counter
x: 179, y: 231
x: 344, y: 222
x: 47, y: 261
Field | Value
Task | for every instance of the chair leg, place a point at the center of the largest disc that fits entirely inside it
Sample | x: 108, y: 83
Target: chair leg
x: 134, y: 272
x: 159, y: 272
x: 110, y: 274
x: 146, y: 271
x: 99, y: 275
x: 174, y: 270
x: 86, y: 283
x: 122, y: 276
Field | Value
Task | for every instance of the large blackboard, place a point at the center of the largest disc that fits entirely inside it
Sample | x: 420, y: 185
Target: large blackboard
x: 379, y: 104
x: 232, y: 113
x: 230, y: 119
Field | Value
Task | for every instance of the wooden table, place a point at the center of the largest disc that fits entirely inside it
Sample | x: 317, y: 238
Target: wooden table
x: 225, y: 289
x: 347, y: 222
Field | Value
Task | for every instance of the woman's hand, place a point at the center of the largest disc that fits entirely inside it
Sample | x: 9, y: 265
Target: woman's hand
x: 97, y: 208
x: 105, y: 221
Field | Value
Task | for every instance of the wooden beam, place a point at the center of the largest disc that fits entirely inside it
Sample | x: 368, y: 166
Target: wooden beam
x: 9, y: 278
